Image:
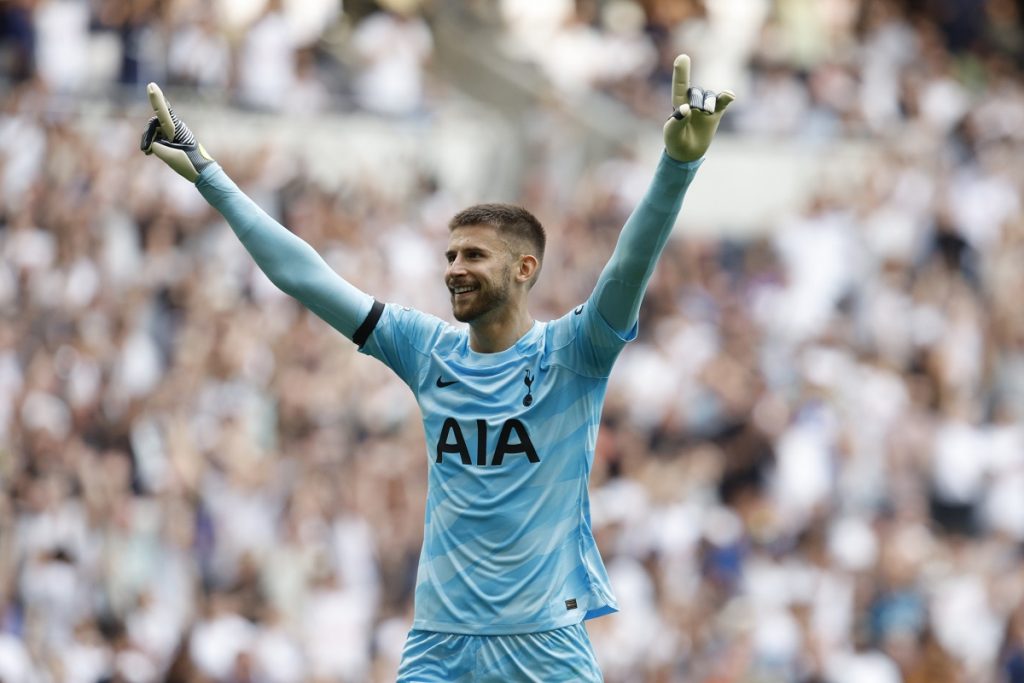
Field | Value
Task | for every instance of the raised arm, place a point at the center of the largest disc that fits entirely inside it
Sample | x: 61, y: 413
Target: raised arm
x: 290, y: 263
x: 688, y: 133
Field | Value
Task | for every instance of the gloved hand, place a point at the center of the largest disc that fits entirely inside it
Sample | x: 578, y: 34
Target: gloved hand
x: 695, y: 115
x: 170, y: 139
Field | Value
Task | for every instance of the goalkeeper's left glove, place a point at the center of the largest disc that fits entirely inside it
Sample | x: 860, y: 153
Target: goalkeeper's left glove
x: 695, y: 115
x: 169, y: 138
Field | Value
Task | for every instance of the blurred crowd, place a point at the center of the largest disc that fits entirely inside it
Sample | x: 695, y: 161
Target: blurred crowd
x: 811, y: 462
x: 269, y: 55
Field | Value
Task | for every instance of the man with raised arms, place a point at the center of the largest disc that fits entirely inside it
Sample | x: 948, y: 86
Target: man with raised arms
x: 509, y: 569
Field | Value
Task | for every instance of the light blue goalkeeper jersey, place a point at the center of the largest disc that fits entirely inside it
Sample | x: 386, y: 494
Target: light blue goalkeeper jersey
x: 507, y: 544
x: 510, y: 436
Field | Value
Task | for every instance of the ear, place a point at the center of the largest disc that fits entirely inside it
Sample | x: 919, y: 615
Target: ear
x: 528, y: 267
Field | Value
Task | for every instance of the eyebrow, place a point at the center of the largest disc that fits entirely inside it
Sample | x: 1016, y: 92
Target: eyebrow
x: 471, y: 247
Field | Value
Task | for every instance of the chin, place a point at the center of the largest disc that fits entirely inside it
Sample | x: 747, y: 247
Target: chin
x: 466, y: 312
x: 464, y: 316
x: 474, y: 310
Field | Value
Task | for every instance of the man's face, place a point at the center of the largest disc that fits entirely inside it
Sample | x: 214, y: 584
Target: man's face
x: 480, y: 271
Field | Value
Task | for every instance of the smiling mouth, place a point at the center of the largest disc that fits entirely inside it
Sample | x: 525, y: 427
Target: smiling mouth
x: 458, y: 291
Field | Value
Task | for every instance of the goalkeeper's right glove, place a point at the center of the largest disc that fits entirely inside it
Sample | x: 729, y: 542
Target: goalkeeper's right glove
x: 169, y: 138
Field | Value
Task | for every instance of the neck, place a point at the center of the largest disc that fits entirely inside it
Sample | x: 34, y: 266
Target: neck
x: 489, y: 334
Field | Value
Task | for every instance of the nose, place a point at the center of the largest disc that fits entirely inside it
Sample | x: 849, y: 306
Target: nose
x: 456, y: 267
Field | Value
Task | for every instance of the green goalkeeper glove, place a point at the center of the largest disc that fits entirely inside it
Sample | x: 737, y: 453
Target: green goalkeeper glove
x: 695, y: 115
x: 170, y: 139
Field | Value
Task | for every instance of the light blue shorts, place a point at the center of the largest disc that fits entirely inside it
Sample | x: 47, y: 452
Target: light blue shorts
x: 564, y: 654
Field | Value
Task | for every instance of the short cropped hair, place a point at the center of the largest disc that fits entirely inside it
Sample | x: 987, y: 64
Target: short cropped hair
x: 511, y: 221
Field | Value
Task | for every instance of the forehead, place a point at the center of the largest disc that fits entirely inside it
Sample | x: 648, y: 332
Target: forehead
x: 481, y: 236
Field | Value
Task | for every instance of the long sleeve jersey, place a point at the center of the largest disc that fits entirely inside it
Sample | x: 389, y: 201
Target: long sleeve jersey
x: 510, y: 436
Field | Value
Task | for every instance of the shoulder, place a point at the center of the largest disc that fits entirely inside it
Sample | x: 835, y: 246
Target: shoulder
x: 562, y: 331
x: 423, y: 331
x: 583, y: 341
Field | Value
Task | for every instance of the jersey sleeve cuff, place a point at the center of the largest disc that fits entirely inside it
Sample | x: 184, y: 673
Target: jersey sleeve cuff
x: 682, y: 165
x: 208, y: 175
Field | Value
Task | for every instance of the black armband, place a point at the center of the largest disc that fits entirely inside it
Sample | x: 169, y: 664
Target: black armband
x: 366, y: 329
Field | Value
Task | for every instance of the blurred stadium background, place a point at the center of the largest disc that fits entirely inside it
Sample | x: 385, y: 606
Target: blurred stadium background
x: 811, y: 468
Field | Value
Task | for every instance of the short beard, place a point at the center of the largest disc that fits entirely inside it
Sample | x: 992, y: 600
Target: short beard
x: 495, y: 299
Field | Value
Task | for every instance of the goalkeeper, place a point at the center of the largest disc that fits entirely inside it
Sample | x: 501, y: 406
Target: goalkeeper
x: 509, y: 569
